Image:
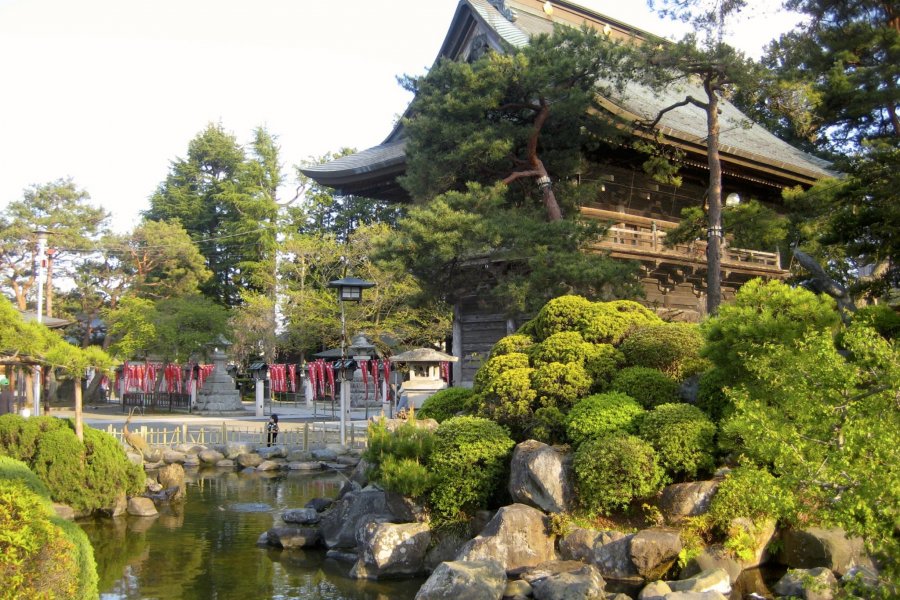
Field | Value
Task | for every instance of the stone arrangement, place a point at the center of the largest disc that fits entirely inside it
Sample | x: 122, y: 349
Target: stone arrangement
x: 511, y: 553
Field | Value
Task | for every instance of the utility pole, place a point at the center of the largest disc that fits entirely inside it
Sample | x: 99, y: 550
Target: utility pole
x: 41, y: 261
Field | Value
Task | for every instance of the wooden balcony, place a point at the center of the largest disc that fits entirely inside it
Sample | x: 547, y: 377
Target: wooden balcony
x: 642, y: 238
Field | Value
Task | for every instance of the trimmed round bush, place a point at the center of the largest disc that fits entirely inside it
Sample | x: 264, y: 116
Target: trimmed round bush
x: 445, y: 404
x: 563, y: 347
x: 612, y: 321
x: 673, y: 348
x: 510, y: 400
x: 602, y: 362
x: 19, y: 437
x: 494, y: 367
x: 565, y: 313
x: 648, y: 386
x: 86, y: 476
x: 560, y: 384
x: 750, y: 492
x: 470, y: 464
x: 549, y: 425
x: 683, y: 437
x: 36, y: 558
x: 602, y: 414
x: 41, y: 555
x: 515, y: 343
x: 613, y: 470
x: 407, y: 442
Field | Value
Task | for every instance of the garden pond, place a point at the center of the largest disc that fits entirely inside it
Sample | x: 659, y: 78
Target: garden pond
x: 206, y: 548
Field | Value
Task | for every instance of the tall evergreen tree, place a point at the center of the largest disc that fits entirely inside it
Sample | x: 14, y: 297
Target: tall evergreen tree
x: 493, y: 144
x: 226, y: 200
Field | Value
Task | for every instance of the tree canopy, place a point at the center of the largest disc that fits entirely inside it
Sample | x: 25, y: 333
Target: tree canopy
x: 226, y: 201
x: 495, y: 145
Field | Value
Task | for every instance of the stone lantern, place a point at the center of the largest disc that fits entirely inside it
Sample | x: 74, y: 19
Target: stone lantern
x: 424, y: 374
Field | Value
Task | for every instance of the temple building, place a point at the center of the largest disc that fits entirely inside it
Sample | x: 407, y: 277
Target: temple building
x: 640, y: 211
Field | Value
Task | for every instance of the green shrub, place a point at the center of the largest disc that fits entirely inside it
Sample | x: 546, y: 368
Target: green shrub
x: 711, y: 397
x: 565, y: 313
x: 560, y: 384
x: 881, y: 318
x: 496, y: 366
x: 510, y: 400
x: 602, y: 362
x: 549, y: 425
x: 602, y: 414
x: 648, y: 386
x: 408, y: 442
x: 563, y: 347
x: 470, y: 465
x: 612, y: 321
x: 673, y: 348
x: 515, y: 343
x: 19, y: 436
x: 36, y: 558
x: 405, y: 476
x: 613, y: 470
x: 12, y: 469
x: 13, y: 473
x: 750, y: 492
x: 763, y: 312
x: 683, y: 437
x: 445, y: 404
x: 85, y: 475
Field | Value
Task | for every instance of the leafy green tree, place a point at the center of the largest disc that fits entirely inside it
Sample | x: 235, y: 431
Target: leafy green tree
x: 491, y: 145
x: 253, y: 326
x: 322, y: 211
x: 226, y: 201
x: 830, y: 430
x: 833, y: 82
x: 60, y: 208
x: 390, y: 309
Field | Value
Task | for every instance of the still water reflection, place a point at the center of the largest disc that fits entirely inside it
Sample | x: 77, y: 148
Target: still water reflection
x: 206, y: 547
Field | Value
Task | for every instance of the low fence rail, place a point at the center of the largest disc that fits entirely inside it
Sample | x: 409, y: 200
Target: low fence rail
x: 302, y: 435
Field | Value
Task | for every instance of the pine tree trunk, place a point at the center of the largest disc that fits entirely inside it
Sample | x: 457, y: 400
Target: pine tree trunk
x: 79, y: 424
x: 714, y: 231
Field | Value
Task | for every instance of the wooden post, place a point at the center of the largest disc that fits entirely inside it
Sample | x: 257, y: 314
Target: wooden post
x: 305, y: 437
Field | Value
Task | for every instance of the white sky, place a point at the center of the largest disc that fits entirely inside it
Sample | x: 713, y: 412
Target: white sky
x: 109, y: 92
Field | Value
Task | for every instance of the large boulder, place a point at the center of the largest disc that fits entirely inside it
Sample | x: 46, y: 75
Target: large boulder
x: 758, y: 535
x: 117, y: 508
x: 517, y: 536
x: 690, y: 499
x: 405, y: 509
x: 471, y: 580
x: 609, y: 551
x: 301, y: 516
x: 340, y: 524
x: 582, y: 583
x: 817, y: 547
x: 234, y: 449
x: 294, y: 537
x: 172, y: 456
x: 391, y: 549
x: 654, y: 551
x: 540, y: 476
x: 141, y: 507
x: 172, y: 476
x: 210, y: 457
x: 715, y: 580
x: 810, y: 584
x: 249, y: 459
x: 269, y: 453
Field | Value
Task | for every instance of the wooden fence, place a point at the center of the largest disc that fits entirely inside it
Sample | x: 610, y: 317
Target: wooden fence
x: 157, y: 401
x: 301, y: 435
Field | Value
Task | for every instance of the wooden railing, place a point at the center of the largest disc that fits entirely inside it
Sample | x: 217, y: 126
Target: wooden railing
x: 301, y: 435
x: 634, y: 235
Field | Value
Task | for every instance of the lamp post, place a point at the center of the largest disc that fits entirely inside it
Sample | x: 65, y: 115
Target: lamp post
x: 41, y: 273
x: 349, y: 289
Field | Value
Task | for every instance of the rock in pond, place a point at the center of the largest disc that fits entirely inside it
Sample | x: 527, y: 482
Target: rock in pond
x: 391, y: 550
x: 469, y: 580
x: 516, y: 536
